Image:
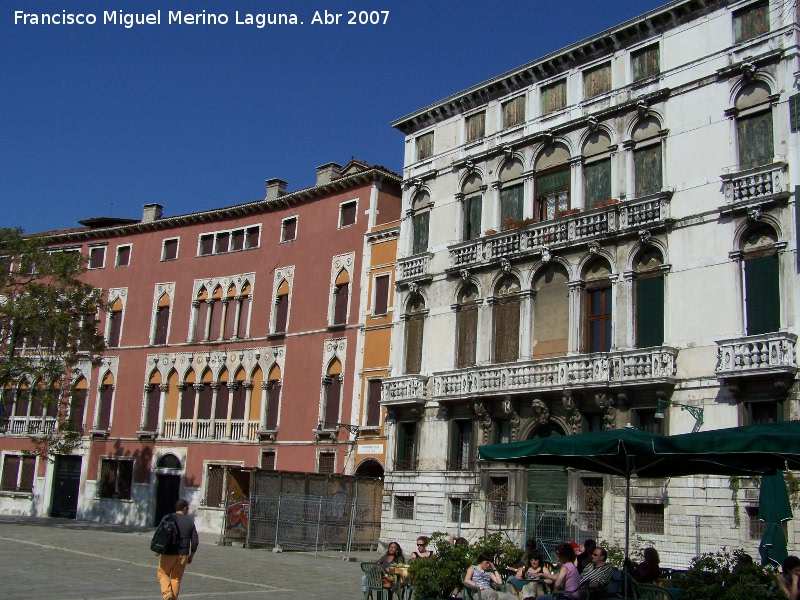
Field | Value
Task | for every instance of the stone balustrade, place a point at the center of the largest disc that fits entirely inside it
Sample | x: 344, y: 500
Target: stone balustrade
x: 755, y: 185
x: 756, y: 354
x: 631, y: 216
x: 407, y: 389
x: 414, y: 267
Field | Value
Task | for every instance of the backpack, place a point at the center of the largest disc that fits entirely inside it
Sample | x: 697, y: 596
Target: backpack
x: 167, y: 538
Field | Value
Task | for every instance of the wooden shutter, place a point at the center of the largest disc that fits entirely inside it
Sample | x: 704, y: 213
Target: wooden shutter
x: 554, y: 96
x: 216, y: 320
x: 289, y: 230
x: 108, y: 478
x: 514, y: 112
x: 76, y: 409
x: 10, y: 473
x: 273, y: 400
x: 374, y: 402
x: 645, y: 63
x: 153, y: 405
x: 420, y: 223
x: 200, y: 324
x: 649, y: 312
x: 348, y: 214
x: 597, y: 181
x: 381, y: 306
x: 97, y: 258
x: 333, y: 397
x: 762, y: 294
x: 114, y: 328
x: 472, y: 217
x: 281, y: 312
x: 414, y: 333
x: 476, y: 126
x: 162, y: 324
x: 340, y: 304
x: 597, y: 81
x: 750, y: 22
x: 171, y: 250
x: 237, y: 240
x: 104, y: 414
x: 188, y: 398
x: 794, y: 110
x: 124, y: 479
x: 506, y: 330
x: 221, y: 408
x: 756, y: 144
x: 204, y: 402
x: 223, y: 242
x: 28, y: 473
x: 206, y: 244
x: 253, y: 237
x: 647, y: 169
x: 230, y: 318
x: 244, y: 316
x: 511, y: 203
x: 238, y: 401
x: 599, y: 320
x: 467, y: 336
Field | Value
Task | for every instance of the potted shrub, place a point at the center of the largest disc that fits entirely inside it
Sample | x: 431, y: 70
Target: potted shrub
x: 727, y: 576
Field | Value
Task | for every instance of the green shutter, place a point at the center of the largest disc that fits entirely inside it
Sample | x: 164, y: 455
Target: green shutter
x: 511, y: 203
x: 755, y: 140
x: 421, y: 221
x: 762, y: 295
x: 647, y: 169
x: 472, y: 218
x: 597, y: 179
x: 649, y: 312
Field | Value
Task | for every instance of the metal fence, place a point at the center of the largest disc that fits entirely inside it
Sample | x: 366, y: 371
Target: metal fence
x: 312, y: 512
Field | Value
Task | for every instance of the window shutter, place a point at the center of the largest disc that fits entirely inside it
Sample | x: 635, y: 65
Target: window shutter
x: 216, y: 320
x: 472, y: 217
x: 123, y: 256
x: 230, y: 318
x: 476, y: 126
x: 200, y: 325
x: 206, y: 245
x: 162, y: 323
x: 762, y: 294
x: 348, y: 214
x: 104, y: 415
x: 114, y: 328
x: 507, y: 331
x: 171, y: 249
x: 597, y: 181
x: 381, y: 306
x: 374, y: 402
x: 649, y: 312
x: 204, y: 402
x: 467, y: 336
x: 125, y: 478
x: 76, y: 409
x: 10, y: 473
x: 238, y: 400
x: 108, y: 478
x: 332, y: 397
x: 223, y: 242
x: 153, y: 404
x: 794, y: 110
x: 645, y: 63
x: 647, y: 169
x: 597, y: 81
x: 221, y: 408
x: 188, y: 398
x: 244, y: 316
x: 414, y: 333
x: 273, y: 398
x: 28, y: 474
x: 421, y: 221
x: 755, y: 140
x: 253, y: 237
x: 750, y: 22
x: 237, y: 240
x: 289, y: 229
x: 281, y: 312
x: 340, y: 304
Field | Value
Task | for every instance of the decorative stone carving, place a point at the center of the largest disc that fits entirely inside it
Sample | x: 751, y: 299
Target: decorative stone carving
x: 547, y: 255
x: 465, y: 275
x: 485, y: 419
x: 645, y: 237
x: 413, y: 287
x: 594, y: 248
x: 642, y: 108
x: 748, y: 70
x: 573, y: 414
x: 541, y: 412
x: 592, y: 124
x: 755, y: 213
x: 505, y: 265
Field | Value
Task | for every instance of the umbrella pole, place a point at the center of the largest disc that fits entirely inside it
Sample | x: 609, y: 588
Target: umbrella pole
x: 627, y: 536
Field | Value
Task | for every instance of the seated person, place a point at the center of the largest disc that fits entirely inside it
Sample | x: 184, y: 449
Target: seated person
x: 393, y: 557
x: 598, y: 573
x: 527, y: 578
x: 422, y: 548
x: 585, y: 557
x: 482, y: 575
x: 649, y: 569
x: 567, y: 579
x: 788, y: 577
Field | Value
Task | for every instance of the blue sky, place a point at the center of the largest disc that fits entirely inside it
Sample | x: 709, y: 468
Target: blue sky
x: 100, y: 119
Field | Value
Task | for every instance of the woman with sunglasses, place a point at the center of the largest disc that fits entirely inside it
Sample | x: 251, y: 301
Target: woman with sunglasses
x: 422, y: 548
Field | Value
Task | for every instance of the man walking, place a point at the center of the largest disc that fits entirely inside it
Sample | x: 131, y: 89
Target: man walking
x: 172, y: 563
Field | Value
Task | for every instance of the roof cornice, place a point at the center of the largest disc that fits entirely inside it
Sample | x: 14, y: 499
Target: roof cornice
x: 375, y: 174
x: 547, y: 67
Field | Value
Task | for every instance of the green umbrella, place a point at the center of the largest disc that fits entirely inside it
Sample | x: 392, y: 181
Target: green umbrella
x: 773, y: 508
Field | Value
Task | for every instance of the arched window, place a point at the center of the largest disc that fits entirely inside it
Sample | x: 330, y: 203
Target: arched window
x: 472, y: 206
x: 467, y: 326
x: 104, y: 402
x: 552, y: 182
x: 161, y: 325
x: 551, y: 312
x: 243, y: 308
x: 647, y: 163
x: 596, y: 169
x: 215, y: 315
x: 341, y: 295
x: 598, y: 306
x: 506, y: 320
x: 761, y: 281
x: 281, y: 311
x: 512, y: 193
x: 754, y: 126
x: 77, y: 404
x: 153, y: 403
x: 415, y: 328
x: 332, y: 394
x: 420, y: 222
x: 114, y: 326
x: 230, y: 308
x: 273, y: 397
x: 201, y: 308
x: 649, y: 298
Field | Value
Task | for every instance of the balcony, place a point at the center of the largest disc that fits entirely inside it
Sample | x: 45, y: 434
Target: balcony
x: 627, y: 368
x: 30, y: 425
x: 629, y: 217
x: 770, y: 354
x: 408, y: 389
x: 414, y: 269
x: 747, y: 190
x: 239, y: 430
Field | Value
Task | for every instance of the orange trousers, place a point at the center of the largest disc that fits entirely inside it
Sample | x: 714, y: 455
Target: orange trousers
x: 170, y: 570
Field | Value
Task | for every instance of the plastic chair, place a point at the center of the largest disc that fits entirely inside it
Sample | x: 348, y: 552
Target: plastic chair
x: 374, y: 580
x: 473, y: 592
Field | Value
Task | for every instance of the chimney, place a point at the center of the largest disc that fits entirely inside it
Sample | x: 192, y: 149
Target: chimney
x: 151, y: 212
x: 328, y: 172
x: 275, y: 188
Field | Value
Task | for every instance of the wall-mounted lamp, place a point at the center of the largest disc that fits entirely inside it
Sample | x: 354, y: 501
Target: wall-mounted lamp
x: 354, y: 429
x: 695, y: 411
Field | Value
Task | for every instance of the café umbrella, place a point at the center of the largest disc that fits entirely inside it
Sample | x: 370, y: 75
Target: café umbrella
x: 625, y: 452
x: 773, y: 508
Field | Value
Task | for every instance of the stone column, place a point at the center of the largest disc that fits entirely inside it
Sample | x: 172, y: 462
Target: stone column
x: 248, y: 398
x: 460, y: 233
x: 232, y: 386
x: 577, y: 197
x: 181, y: 388
x: 262, y: 419
x: 145, y: 402
x: 212, y: 426
x: 224, y: 319
x: 207, y: 328
x: 236, y: 318
x: 198, y: 388
x: 495, y: 204
x: 193, y: 320
x: 575, y: 322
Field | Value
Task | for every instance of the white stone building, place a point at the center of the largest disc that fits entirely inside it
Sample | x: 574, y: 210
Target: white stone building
x: 600, y: 233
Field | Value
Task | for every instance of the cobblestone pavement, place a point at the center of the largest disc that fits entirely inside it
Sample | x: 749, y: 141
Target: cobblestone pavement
x: 70, y: 560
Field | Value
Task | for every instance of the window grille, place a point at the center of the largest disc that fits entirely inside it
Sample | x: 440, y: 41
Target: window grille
x: 404, y: 507
x: 116, y: 478
x: 327, y: 461
x: 648, y: 518
x: 460, y: 510
x: 214, y: 484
